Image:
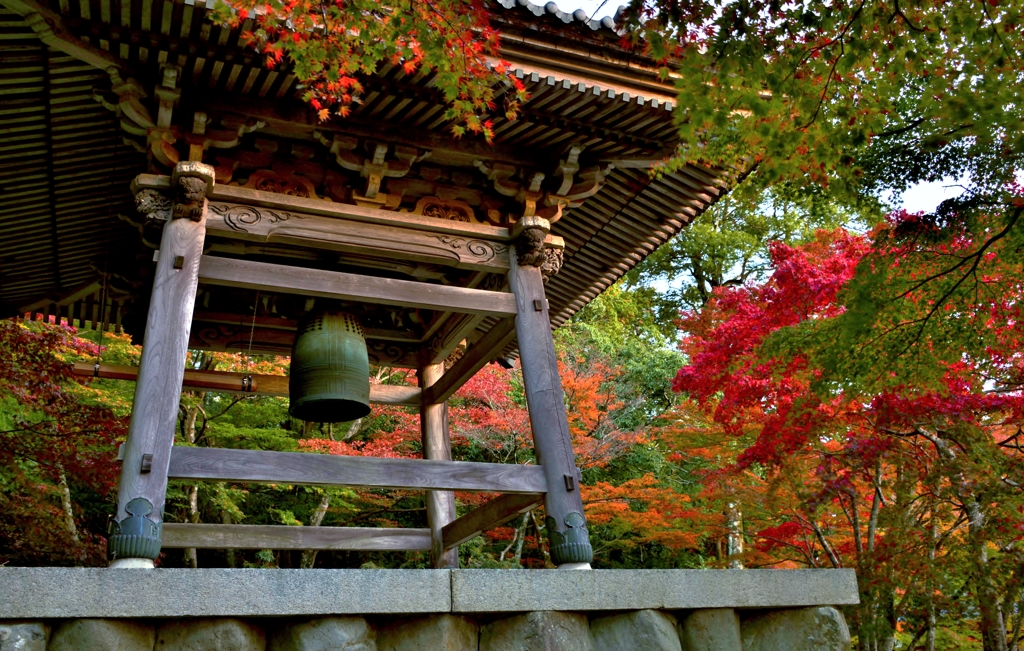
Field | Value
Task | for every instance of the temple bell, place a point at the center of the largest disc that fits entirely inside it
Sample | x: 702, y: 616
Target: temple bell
x: 330, y: 370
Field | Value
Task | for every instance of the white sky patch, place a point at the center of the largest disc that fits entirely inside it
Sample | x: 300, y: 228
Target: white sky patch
x: 925, y: 197
x: 589, y: 6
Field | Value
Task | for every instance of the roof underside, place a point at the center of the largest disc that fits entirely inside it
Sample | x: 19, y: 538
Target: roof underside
x: 68, y: 166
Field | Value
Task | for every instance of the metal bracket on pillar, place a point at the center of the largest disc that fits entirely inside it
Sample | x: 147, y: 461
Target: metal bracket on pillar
x: 136, y: 536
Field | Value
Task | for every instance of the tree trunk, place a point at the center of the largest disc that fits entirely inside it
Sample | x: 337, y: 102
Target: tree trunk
x: 309, y: 555
x: 993, y: 626
x: 66, y: 505
x: 229, y: 554
x: 522, y: 539
x: 734, y: 541
x: 189, y: 432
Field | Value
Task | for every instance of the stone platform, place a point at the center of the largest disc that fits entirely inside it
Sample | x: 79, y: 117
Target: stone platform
x: 60, y: 609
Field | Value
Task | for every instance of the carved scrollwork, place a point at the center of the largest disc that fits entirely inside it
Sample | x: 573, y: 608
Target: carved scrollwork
x: 483, y: 249
x: 153, y: 205
x: 553, y: 259
x: 454, y: 357
x: 493, y: 282
x: 238, y: 217
x: 385, y: 353
x: 291, y: 185
x: 449, y: 209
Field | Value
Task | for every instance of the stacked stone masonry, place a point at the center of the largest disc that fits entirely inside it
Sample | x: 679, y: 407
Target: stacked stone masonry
x: 83, y: 609
x: 820, y: 628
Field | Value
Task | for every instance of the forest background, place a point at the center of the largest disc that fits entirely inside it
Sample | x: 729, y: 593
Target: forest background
x: 807, y: 376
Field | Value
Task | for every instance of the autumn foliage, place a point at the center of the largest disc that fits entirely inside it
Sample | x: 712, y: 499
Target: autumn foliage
x: 903, y: 481
x: 335, y: 48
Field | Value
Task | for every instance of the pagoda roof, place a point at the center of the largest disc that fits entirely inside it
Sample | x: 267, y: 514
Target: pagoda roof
x: 71, y: 149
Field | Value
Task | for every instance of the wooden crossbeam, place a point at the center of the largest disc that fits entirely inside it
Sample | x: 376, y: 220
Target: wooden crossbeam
x: 261, y: 385
x: 492, y: 514
x: 243, y: 536
x: 353, y: 287
x: 262, y: 467
x: 265, y: 226
x: 474, y: 359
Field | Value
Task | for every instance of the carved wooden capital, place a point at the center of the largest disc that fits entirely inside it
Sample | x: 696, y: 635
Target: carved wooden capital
x: 191, y: 181
x: 530, y: 248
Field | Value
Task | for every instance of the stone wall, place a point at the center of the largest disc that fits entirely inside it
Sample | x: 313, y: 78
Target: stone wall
x: 819, y: 628
x: 82, y: 609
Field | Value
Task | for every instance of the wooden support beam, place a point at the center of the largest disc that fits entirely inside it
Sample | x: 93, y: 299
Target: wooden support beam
x: 261, y: 467
x: 142, y: 488
x: 474, y: 359
x: 353, y: 287
x: 260, y: 385
x: 243, y: 536
x: 563, y: 505
x: 455, y: 330
x: 265, y: 226
x: 492, y: 514
x: 437, y: 446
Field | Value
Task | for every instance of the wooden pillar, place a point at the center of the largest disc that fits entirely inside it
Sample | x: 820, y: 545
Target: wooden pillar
x: 136, y: 530
x: 566, y: 525
x: 437, y: 446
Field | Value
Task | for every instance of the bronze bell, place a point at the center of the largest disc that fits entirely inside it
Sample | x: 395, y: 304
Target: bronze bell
x: 330, y: 373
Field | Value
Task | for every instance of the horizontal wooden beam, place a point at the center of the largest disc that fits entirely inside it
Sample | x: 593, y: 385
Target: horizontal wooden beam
x: 242, y: 536
x: 308, y: 231
x: 353, y: 287
x: 260, y: 385
x: 332, y: 209
x: 492, y: 514
x: 261, y: 467
x: 474, y: 359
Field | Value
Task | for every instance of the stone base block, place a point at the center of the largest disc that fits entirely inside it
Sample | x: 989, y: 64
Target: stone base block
x: 803, y: 629
x: 226, y: 634
x: 712, y: 629
x: 23, y: 636
x: 326, y: 634
x: 537, y: 631
x: 102, y: 635
x: 640, y: 630
x: 433, y: 633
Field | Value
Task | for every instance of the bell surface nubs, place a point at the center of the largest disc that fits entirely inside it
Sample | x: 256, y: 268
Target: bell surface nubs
x: 330, y: 372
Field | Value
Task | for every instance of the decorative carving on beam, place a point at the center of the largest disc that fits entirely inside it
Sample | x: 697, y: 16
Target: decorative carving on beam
x: 482, y: 250
x: 553, y: 258
x: 374, y: 245
x: 153, y: 205
x: 548, y: 205
x: 375, y: 166
x: 453, y: 210
x: 530, y: 233
x: 389, y: 353
x: 456, y: 355
x: 225, y: 133
x: 190, y: 197
x: 290, y: 184
x: 192, y: 181
x: 238, y: 217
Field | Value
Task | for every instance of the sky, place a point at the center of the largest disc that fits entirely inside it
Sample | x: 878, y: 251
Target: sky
x: 589, y: 6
